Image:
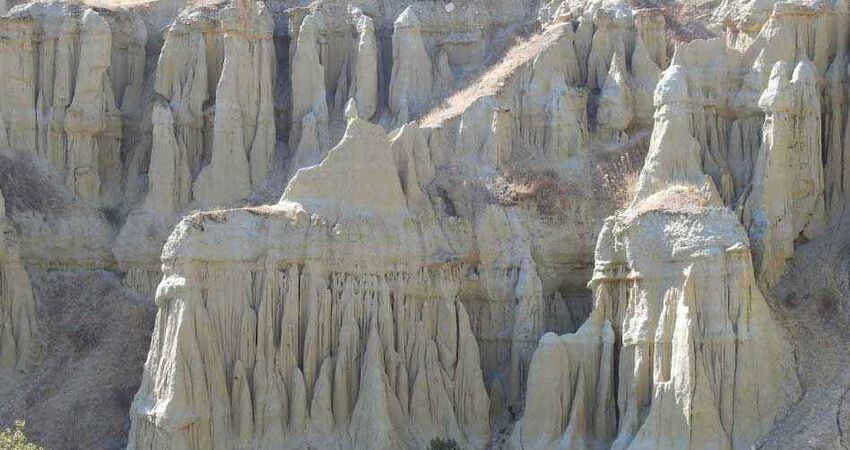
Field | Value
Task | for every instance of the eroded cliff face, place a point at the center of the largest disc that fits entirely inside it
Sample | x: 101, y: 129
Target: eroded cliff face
x: 349, y: 329
x: 367, y: 225
x: 19, y: 336
x: 680, y: 345
x: 61, y: 101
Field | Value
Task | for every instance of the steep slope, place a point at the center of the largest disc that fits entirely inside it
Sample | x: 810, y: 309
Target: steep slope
x: 93, y: 335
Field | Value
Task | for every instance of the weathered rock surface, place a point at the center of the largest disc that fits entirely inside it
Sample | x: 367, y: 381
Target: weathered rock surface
x: 243, y: 129
x: 679, y: 332
x: 384, y: 222
x: 73, y: 73
x: 341, y: 337
x: 18, y: 328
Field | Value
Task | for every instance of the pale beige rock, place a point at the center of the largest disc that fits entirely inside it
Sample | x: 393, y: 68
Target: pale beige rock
x: 806, y: 165
x: 19, y: 333
x: 402, y: 271
x: 170, y: 179
x: 244, y: 130
x: 768, y: 212
x: 392, y: 374
x: 411, y: 82
x: 686, y: 350
x: 366, y: 69
x: 329, y: 189
x: 787, y: 199
x: 182, y: 79
x: 608, y: 40
x: 646, y: 74
x: 649, y: 24
x: 309, y: 134
x: 93, y: 121
x: 567, y: 133
x: 674, y: 154
x: 615, y: 101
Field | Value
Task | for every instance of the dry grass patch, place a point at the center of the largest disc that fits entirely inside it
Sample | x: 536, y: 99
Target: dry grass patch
x: 616, y: 173
x: 544, y: 189
x: 682, y: 199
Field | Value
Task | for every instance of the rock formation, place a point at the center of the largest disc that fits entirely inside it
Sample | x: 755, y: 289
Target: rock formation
x: 369, y: 224
x: 411, y: 82
x: 665, y: 353
x: 343, y: 336
x: 244, y: 129
x: 787, y: 196
x: 71, y: 80
x: 18, y: 328
x: 309, y: 135
x: 615, y: 101
x: 365, y: 81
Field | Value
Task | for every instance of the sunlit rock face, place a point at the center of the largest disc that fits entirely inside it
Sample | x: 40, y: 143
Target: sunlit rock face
x: 681, y: 349
x: 369, y: 224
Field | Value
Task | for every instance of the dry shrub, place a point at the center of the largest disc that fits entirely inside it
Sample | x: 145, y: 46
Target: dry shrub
x: 28, y: 184
x: 675, y: 199
x: 616, y: 174
x: 542, y: 188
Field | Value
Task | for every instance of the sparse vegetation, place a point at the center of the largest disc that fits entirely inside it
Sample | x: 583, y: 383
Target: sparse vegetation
x: 16, y: 439
x: 444, y: 444
x: 617, y: 175
x: 544, y: 189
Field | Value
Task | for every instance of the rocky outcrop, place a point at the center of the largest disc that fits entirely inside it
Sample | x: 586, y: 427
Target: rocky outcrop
x: 786, y: 200
x: 365, y: 82
x: 93, y: 121
x: 244, y: 130
x: 206, y: 56
x: 445, y: 169
x: 74, y: 73
x: 412, y: 78
x: 615, y: 101
x: 185, y: 79
x: 333, y: 337
x: 684, y: 350
x: 18, y: 328
x: 309, y: 135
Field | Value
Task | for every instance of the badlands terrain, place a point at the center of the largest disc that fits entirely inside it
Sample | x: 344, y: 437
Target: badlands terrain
x: 368, y: 224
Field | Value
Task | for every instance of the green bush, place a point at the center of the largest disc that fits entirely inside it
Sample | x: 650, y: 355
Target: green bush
x: 15, y: 439
x: 444, y: 444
